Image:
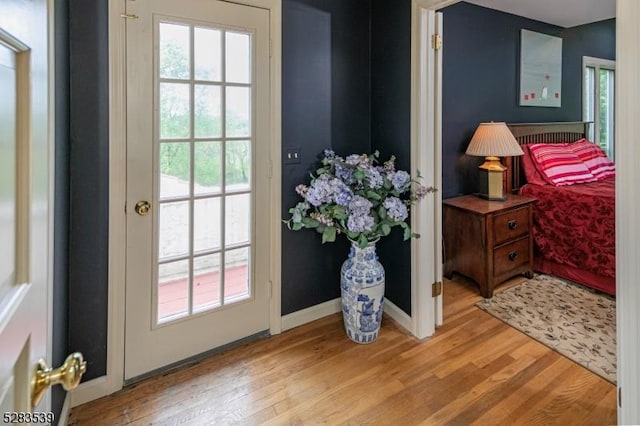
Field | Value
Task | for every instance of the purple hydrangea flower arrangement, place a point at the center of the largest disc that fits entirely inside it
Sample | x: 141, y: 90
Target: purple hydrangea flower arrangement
x: 357, y: 197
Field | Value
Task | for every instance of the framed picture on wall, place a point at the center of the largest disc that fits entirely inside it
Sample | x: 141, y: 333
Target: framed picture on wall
x: 540, y: 69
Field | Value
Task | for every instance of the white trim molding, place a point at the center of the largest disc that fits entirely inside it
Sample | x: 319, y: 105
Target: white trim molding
x: 398, y: 315
x: 63, y: 418
x: 627, y: 127
x: 316, y: 312
x: 117, y: 197
x: 426, y: 257
x: 88, y: 391
x: 422, y: 324
x: 312, y: 313
x: 275, y: 272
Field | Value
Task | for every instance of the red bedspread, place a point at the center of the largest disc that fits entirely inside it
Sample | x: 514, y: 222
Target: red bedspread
x: 575, y: 226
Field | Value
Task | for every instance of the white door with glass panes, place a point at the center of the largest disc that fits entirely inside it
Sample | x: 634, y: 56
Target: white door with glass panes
x: 197, y: 179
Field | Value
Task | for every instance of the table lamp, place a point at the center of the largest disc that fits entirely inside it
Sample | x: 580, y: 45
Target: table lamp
x: 493, y: 140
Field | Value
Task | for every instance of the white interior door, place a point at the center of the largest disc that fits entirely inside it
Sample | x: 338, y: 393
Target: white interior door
x: 25, y: 237
x: 197, y: 179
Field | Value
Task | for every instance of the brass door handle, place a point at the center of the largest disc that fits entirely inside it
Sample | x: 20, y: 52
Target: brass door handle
x: 143, y: 208
x: 68, y: 375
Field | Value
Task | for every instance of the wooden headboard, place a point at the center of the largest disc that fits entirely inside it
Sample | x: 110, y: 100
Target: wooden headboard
x: 527, y: 133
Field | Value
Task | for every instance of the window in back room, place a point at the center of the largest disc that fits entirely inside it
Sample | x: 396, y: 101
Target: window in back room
x: 598, y: 101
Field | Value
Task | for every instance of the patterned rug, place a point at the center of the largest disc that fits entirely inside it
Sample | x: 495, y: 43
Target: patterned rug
x: 575, y: 321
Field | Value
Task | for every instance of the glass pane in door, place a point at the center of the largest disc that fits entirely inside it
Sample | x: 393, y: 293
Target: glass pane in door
x: 238, y: 57
x: 175, y: 167
x: 174, y: 51
x: 174, y: 229
x: 236, y: 275
x: 208, y: 54
x: 238, y: 165
x: 175, y: 117
x: 205, y: 148
x: 207, y: 168
x: 237, y: 215
x: 173, y: 290
x: 207, y: 117
x: 207, y: 219
x: 206, y: 282
x: 238, y: 112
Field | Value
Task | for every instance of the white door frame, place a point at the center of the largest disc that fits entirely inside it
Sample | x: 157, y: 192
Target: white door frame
x: 627, y: 127
x: 426, y: 156
x: 114, y: 379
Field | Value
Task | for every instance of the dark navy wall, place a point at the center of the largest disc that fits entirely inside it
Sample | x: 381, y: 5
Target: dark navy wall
x: 597, y: 40
x: 88, y: 182
x: 481, y: 77
x: 391, y: 125
x: 480, y: 83
x: 325, y: 104
x: 61, y: 208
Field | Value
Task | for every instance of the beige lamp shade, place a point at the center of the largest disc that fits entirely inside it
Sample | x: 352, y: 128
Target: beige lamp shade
x: 493, y: 139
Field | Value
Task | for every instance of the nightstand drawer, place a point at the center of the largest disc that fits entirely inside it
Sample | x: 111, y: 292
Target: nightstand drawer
x: 511, y: 256
x: 510, y: 225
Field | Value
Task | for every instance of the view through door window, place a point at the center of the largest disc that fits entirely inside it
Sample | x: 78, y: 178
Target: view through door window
x: 204, y: 164
x: 598, y: 101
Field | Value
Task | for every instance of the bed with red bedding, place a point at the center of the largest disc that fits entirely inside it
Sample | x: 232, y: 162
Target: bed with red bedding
x: 573, y: 225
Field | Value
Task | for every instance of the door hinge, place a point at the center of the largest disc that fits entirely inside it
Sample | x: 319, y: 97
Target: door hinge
x: 129, y: 16
x: 436, y: 41
x: 270, y: 47
x: 436, y: 289
x: 270, y: 288
x: 620, y: 397
x: 270, y: 169
x: 125, y: 208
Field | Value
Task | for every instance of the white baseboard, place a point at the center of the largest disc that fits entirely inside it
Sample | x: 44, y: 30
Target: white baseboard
x: 88, y: 391
x: 312, y: 313
x: 64, y: 413
x: 331, y: 307
x: 398, y: 315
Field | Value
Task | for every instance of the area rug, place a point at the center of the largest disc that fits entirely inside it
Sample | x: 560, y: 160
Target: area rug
x: 573, y: 320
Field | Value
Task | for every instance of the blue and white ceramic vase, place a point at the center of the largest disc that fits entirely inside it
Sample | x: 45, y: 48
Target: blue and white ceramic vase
x: 362, y: 288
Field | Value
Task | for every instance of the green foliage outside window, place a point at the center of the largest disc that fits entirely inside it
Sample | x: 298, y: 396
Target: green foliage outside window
x: 175, y: 157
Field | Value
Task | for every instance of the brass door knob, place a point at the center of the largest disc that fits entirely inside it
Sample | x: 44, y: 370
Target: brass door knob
x: 68, y: 375
x: 143, y: 208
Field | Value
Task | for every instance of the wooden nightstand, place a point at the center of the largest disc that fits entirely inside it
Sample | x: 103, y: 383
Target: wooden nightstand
x: 488, y: 241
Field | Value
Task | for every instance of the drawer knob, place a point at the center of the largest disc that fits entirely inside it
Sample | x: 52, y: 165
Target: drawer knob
x: 513, y: 255
x: 512, y: 224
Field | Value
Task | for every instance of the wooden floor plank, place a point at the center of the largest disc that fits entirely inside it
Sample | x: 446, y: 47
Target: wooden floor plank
x: 474, y: 370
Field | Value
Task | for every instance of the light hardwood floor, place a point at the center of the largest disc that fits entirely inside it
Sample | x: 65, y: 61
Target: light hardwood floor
x: 475, y: 370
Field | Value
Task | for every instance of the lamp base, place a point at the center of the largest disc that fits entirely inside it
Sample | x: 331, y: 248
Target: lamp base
x: 491, y: 180
x: 487, y: 197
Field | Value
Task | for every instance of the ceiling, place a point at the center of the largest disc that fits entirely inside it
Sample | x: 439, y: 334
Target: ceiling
x: 564, y: 13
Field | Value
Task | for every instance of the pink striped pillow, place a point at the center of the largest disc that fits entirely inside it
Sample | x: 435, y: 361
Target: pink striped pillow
x: 559, y: 164
x: 531, y: 172
x: 594, y: 158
